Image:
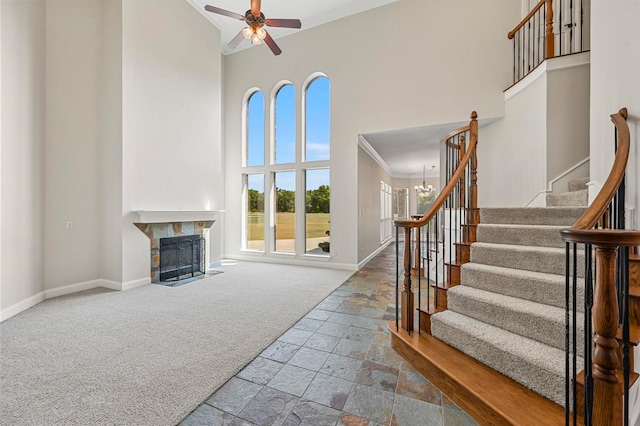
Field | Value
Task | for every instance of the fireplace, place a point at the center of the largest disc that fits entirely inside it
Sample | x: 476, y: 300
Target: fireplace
x: 182, y: 233
x: 181, y: 257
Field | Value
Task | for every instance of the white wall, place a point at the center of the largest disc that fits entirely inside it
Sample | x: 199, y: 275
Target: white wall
x: 544, y: 133
x: 512, y: 151
x: 110, y: 146
x: 369, y: 176
x: 73, y: 61
x: 615, y: 67
x: 22, y: 167
x: 433, y: 82
x: 171, y: 148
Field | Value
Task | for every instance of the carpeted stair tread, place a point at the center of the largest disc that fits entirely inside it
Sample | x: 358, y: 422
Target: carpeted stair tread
x: 537, y: 321
x: 528, y: 285
x: 579, y: 184
x: 549, y: 260
x: 572, y: 198
x: 526, y: 235
x: 562, y: 216
x: 535, y: 365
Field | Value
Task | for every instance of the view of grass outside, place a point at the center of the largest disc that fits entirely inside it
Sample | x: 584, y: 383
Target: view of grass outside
x: 255, y: 212
x: 317, y: 211
x: 285, y: 226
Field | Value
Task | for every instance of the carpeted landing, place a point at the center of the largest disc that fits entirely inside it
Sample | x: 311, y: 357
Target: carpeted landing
x: 148, y: 356
x: 508, y: 311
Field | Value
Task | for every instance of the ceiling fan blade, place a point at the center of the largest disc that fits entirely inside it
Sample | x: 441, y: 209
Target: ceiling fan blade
x: 255, y: 7
x: 272, y: 44
x: 236, y: 40
x: 224, y: 12
x: 285, y: 23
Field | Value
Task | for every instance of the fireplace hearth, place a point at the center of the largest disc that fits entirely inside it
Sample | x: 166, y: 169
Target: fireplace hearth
x: 181, y: 257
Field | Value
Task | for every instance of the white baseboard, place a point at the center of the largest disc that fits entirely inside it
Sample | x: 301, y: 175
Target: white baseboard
x: 136, y: 283
x: 375, y: 253
x: 290, y: 260
x: 72, y: 288
x: 111, y: 285
x: 69, y: 289
x: 23, y: 305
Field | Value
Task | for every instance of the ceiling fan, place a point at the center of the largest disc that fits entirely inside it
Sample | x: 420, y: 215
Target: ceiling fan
x: 254, y: 30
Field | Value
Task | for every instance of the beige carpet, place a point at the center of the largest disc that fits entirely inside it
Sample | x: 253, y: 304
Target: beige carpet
x: 150, y: 355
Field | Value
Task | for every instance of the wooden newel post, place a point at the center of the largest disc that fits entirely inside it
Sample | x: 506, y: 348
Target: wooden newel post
x: 607, y: 391
x: 406, y: 322
x: 473, y: 190
x: 549, y: 37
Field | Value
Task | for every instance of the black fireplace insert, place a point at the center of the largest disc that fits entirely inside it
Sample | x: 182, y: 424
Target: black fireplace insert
x: 181, y: 257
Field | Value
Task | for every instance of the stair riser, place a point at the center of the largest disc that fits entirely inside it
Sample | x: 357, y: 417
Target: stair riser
x: 523, y: 236
x: 552, y: 292
x: 531, y: 216
x: 578, y: 184
x: 453, y: 272
x: 549, y: 331
x: 545, y: 383
x: 550, y: 262
x: 568, y: 199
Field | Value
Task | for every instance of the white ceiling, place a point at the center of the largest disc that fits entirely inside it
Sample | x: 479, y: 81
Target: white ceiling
x: 310, y: 12
x: 405, y: 152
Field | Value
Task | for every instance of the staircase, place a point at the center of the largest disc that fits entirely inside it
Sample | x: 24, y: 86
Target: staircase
x: 578, y: 195
x: 508, y: 312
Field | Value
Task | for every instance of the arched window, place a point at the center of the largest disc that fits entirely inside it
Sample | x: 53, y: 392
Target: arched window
x: 284, y: 131
x: 254, y: 128
x: 317, y: 120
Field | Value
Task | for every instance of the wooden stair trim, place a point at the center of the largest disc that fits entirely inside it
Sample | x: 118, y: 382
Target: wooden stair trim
x: 632, y: 379
x: 430, y: 310
x: 634, y: 334
x: 486, y: 395
x: 634, y: 291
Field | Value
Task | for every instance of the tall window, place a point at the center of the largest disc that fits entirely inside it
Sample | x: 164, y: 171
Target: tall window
x: 400, y: 203
x: 255, y: 130
x: 287, y: 171
x: 317, y: 204
x: 255, y: 212
x: 317, y: 120
x: 285, y: 220
x: 386, y: 224
x: 285, y: 125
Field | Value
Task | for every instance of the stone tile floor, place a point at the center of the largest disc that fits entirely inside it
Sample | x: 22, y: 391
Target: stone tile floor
x: 335, y: 367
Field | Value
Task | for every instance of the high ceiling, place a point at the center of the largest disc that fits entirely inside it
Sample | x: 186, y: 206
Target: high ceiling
x: 404, y: 152
x: 311, y: 12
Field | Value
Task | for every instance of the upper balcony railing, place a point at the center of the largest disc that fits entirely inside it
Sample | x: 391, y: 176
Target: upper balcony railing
x: 552, y: 28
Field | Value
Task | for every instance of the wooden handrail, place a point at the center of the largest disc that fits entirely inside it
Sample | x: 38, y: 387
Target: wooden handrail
x: 590, y: 217
x: 435, y: 207
x: 549, y: 36
x: 511, y: 34
x: 607, y: 392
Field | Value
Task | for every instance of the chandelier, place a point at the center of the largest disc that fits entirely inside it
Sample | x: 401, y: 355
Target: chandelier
x: 424, y: 189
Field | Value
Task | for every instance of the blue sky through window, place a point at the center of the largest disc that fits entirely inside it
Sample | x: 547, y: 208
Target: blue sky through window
x: 317, y: 117
x: 255, y: 130
x: 285, y: 125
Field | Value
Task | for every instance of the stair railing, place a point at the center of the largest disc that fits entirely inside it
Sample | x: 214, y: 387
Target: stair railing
x: 604, y: 398
x: 552, y: 28
x: 437, y: 237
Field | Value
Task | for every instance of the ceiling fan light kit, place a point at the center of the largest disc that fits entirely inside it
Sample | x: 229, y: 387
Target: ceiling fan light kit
x: 254, y: 31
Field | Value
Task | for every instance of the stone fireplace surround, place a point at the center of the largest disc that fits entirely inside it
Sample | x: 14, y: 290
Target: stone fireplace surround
x: 157, y: 224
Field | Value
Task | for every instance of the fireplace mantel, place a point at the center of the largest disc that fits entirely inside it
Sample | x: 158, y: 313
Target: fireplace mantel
x: 168, y: 216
